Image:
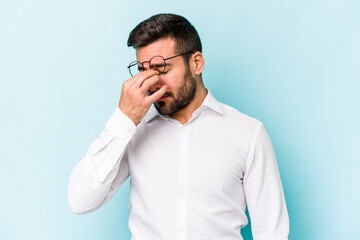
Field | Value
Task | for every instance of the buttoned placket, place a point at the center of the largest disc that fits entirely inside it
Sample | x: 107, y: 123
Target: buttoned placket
x: 182, y: 182
x: 183, y: 173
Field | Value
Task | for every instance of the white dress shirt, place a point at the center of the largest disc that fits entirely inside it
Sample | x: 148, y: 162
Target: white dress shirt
x: 187, y: 182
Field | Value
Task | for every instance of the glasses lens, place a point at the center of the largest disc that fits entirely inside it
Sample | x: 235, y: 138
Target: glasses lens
x: 157, y: 63
x: 135, y: 67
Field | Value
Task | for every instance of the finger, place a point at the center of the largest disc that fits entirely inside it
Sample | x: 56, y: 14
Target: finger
x: 141, y: 77
x: 149, y: 82
x: 158, y: 94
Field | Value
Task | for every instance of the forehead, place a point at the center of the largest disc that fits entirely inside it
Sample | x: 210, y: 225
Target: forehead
x: 163, y: 47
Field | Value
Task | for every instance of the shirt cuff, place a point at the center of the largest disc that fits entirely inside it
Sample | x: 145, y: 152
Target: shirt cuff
x: 119, y: 122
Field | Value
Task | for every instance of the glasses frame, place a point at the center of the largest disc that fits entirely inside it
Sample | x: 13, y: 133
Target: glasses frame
x: 133, y: 63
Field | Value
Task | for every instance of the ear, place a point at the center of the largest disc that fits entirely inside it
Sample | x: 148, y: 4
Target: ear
x: 198, y: 63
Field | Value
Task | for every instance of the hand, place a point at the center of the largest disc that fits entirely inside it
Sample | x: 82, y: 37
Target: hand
x: 134, y: 101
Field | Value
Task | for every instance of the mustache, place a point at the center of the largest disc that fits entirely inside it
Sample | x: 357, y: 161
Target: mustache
x: 167, y: 94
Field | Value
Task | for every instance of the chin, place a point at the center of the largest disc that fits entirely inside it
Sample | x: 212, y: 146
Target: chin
x: 163, y: 108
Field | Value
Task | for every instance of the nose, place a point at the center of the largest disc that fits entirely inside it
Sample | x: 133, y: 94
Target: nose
x: 156, y: 86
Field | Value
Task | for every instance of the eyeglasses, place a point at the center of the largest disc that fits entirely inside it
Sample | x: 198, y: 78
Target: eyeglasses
x: 157, y: 63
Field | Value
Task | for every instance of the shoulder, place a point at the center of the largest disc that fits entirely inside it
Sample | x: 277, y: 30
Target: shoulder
x: 240, y: 119
x: 235, y: 126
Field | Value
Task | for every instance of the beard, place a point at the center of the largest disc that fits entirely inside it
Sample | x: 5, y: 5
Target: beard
x: 181, y: 99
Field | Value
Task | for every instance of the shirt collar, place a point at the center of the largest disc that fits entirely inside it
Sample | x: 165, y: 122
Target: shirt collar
x: 209, y: 102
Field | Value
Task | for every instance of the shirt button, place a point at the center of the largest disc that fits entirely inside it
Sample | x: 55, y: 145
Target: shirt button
x: 181, y: 229
x: 182, y: 194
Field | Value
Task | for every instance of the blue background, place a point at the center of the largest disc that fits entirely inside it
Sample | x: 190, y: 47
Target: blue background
x: 294, y: 65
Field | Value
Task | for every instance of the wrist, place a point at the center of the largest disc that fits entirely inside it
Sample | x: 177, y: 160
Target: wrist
x: 133, y: 117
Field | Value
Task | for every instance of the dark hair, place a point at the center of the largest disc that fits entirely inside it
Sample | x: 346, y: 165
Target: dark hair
x: 159, y: 26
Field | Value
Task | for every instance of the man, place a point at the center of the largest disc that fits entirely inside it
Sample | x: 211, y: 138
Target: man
x: 194, y: 163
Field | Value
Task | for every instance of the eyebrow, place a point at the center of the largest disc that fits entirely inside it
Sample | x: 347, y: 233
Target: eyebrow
x: 158, y: 65
x: 162, y: 65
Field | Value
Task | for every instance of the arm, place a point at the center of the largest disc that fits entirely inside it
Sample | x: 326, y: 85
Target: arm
x: 264, y: 192
x: 97, y: 177
x: 102, y: 171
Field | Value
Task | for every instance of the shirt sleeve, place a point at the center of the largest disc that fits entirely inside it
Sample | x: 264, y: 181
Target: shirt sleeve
x: 104, y: 168
x: 264, y: 192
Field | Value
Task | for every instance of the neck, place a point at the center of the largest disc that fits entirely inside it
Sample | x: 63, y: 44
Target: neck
x: 185, y: 114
